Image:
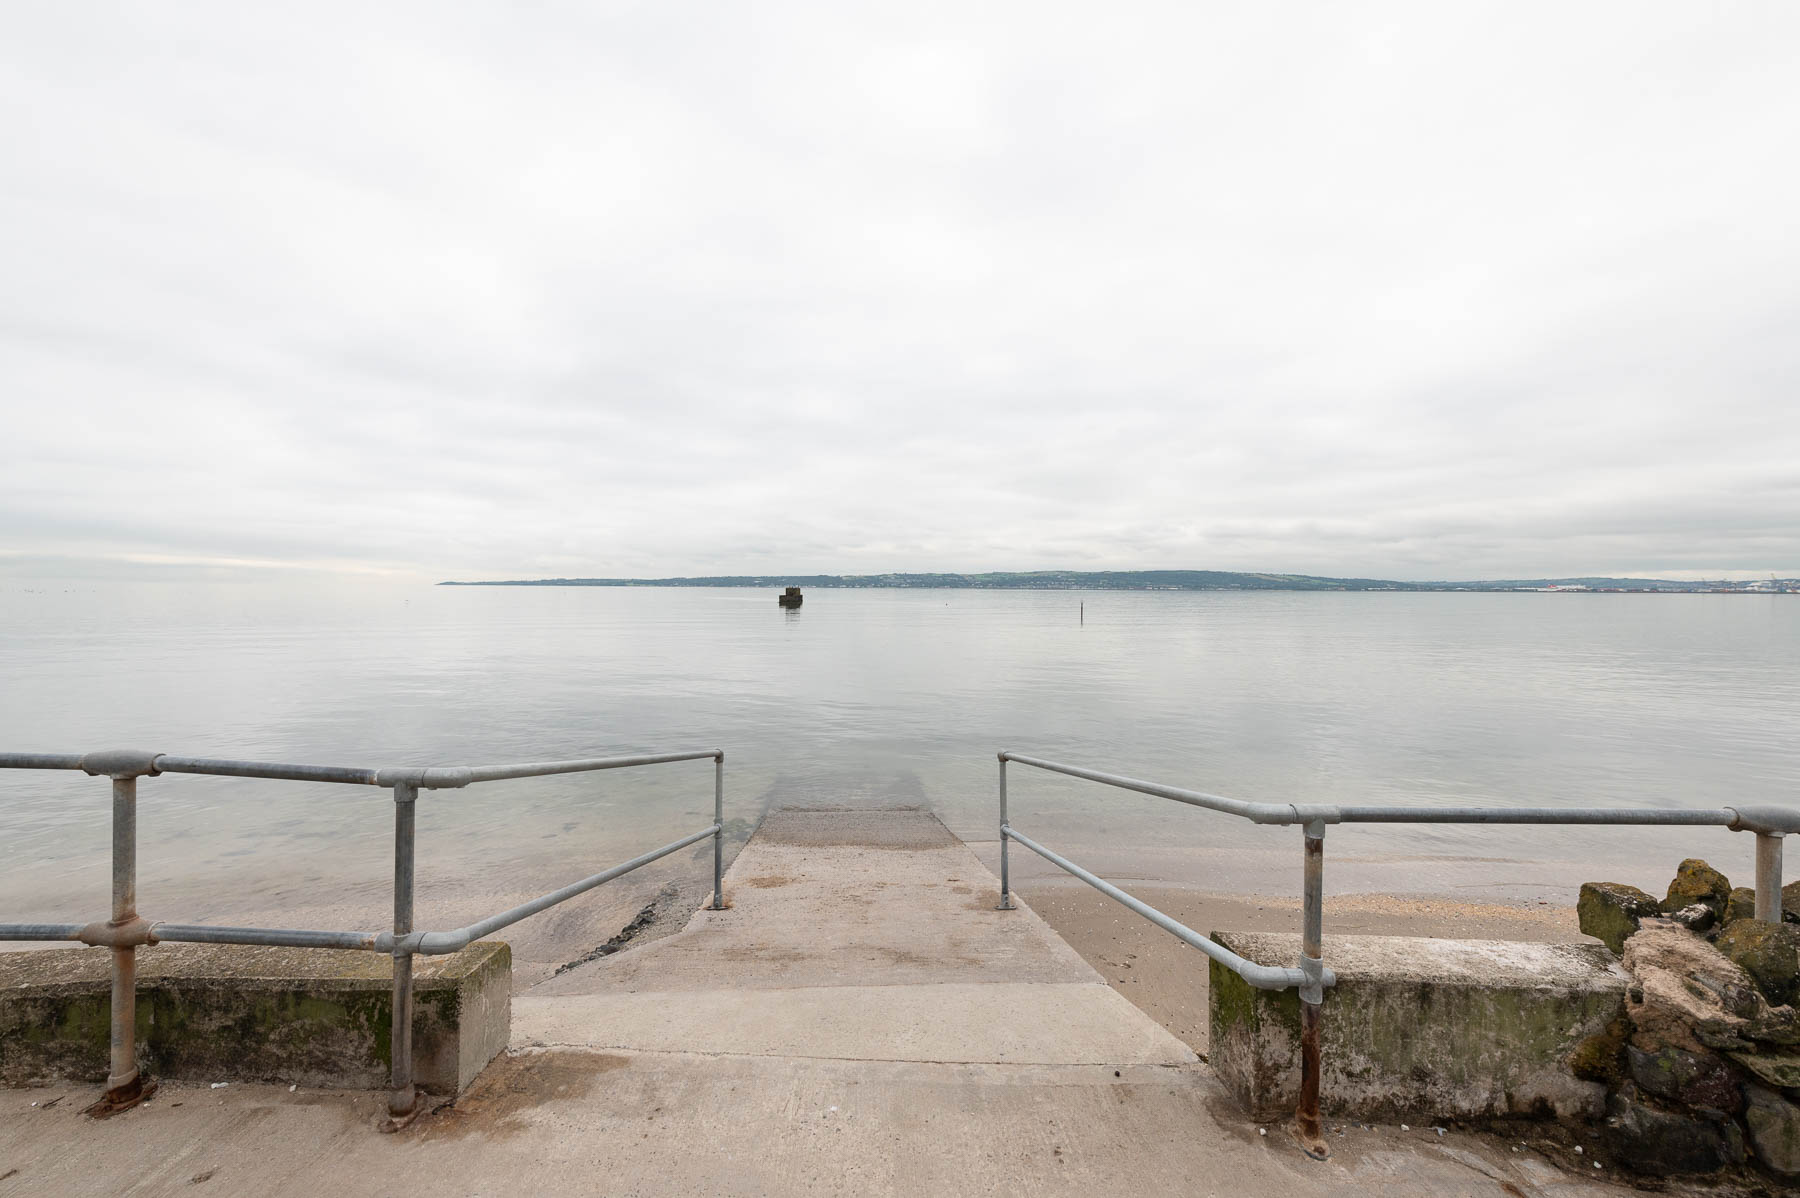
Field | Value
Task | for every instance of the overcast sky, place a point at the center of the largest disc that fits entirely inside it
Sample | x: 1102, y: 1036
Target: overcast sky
x: 473, y: 291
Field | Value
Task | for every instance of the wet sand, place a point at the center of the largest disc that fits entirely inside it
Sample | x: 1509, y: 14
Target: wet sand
x: 1167, y: 979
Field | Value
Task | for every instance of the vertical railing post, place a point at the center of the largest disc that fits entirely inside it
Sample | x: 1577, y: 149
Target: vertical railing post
x: 1307, y: 1127
x: 1006, y: 903
x: 1768, y: 876
x: 123, y: 1085
x: 403, y: 1096
x: 718, y: 898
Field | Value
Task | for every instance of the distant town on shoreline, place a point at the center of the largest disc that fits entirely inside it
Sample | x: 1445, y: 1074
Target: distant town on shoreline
x: 1164, y: 580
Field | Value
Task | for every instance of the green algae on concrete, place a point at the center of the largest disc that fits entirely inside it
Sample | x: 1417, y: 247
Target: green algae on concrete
x: 1601, y: 1056
x: 315, y: 1017
x: 1421, y: 1028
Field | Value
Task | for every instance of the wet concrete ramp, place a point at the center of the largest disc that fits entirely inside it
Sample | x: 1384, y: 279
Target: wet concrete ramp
x: 852, y: 935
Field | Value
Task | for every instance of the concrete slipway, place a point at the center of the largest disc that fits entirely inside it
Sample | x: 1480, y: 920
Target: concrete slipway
x: 860, y: 1020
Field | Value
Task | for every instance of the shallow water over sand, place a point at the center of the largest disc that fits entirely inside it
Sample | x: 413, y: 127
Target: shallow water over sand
x: 876, y: 697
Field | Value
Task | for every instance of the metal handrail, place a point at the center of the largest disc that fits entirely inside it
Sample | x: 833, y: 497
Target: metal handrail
x: 1769, y: 822
x: 126, y: 930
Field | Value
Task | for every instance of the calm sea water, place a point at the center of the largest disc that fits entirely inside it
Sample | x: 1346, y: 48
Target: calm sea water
x: 880, y: 697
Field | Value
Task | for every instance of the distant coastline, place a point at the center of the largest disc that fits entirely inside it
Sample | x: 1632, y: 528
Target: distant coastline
x: 1161, y: 580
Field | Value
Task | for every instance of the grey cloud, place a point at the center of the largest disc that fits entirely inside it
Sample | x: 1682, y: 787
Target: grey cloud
x: 466, y: 290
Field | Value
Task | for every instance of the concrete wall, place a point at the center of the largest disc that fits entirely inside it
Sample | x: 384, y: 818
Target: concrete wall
x: 1420, y: 1029
x: 315, y: 1017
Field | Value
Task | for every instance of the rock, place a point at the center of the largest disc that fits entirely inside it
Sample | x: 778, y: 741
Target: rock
x: 1696, y: 917
x: 1697, y: 882
x: 1611, y: 911
x: 1775, y: 1025
x: 1774, y: 1124
x: 1686, y: 994
x: 1769, y: 953
x: 1790, y: 903
x: 1601, y: 1057
x: 1651, y: 1140
x: 1779, y: 1069
x: 1700, y: 1079
x: 1741, y: 904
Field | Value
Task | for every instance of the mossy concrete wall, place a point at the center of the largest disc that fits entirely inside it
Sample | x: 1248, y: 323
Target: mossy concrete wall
x: 1420, y: 1029
x: 315, y: 1017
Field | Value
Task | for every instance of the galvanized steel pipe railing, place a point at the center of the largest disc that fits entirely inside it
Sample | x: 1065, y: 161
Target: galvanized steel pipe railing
x: 126, y: 930
x: 1310, y: 976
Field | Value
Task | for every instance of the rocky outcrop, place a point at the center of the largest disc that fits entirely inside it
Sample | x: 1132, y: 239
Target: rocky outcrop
x: 1709, y: 1076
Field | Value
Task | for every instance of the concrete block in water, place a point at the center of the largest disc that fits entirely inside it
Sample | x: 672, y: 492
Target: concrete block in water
x: 1419, y: 1029
x: 316, y: 1017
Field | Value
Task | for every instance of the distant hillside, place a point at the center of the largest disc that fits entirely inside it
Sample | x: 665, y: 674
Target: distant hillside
x: 1129, y: 580
x: 1036, y: 580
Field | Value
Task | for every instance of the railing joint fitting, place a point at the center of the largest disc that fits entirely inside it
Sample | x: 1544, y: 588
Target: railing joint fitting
x: 120, y: 764
x: 1315, y: 978
x: 118, y: 933
x: 1765, y: 820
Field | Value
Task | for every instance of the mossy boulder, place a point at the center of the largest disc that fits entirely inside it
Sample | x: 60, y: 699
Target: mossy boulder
x: 1649, y: 1139
x: 1697, y: 882
x: 1774, y: 1125
x: 1741, y: 905
x: 1611, y: 911
x: 1769, y: 953
x: 1696, y: 1079
x: 1779, y: 1069
x: 1775, y: 1025
x: 1601, y: 1057
x: 1790, y: 902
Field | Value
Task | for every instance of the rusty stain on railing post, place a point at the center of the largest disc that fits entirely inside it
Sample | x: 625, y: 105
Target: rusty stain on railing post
x: 403, y: 1098
x: 1307, y: 1127
x: 125, y: 1086
x: 123, y: 1083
